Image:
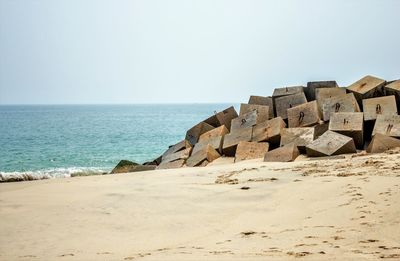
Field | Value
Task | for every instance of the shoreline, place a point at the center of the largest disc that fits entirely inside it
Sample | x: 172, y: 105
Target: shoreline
x: 54, y: 173
x: 73, y: 172
x: 252, y: 210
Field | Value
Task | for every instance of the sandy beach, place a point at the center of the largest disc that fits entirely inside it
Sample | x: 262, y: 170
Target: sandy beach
x: 337, y: 209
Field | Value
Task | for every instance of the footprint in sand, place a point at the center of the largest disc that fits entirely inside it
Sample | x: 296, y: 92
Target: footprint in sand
x: 328, y: 226
x: 262, y: 179
x: 104, y: 253
x: 221, y: 252
x: 247, y: 233
x: 310, y: 237
x: 226, y: 179
x: 302, y: 244
x: 223, y: 242
x: 162, y: 249
x: 138, y: 255
x: 388, y: 248
x: 69, y: 254
x: 338, y: 238
x: 366, y: 224
x: 397, y: 256
x: 369, y: 241
x: 298, y: 254
x: 273, y: 250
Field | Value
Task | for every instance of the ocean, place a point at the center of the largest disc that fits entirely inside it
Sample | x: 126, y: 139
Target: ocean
x: 46, y: 141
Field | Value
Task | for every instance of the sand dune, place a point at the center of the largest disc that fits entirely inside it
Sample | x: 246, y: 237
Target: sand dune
x: 342, y: 209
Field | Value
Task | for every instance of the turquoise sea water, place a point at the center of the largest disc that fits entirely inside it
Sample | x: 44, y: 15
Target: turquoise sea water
x: 57, y: 140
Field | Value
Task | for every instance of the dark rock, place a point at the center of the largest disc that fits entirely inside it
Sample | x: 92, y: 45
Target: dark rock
x: 125, y: 166
x: 155, y: 162
x: 149, y: 163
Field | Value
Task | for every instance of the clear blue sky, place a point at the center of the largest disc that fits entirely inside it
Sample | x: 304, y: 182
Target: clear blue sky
x: 94, y: 51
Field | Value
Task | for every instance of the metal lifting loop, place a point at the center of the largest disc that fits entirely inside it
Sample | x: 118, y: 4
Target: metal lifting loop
x: 337, y: 107
x: 378, y: 109
x: 389, y: 128
x: 243, y: 121
x: 301, y: 117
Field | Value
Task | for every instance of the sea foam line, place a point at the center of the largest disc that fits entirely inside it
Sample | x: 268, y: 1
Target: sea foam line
x: 50, y: 173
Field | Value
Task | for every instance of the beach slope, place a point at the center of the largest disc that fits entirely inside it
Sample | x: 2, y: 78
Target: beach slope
x: 338, y: 209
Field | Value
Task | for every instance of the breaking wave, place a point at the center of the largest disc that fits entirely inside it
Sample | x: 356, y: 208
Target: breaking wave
x: 50, y: 174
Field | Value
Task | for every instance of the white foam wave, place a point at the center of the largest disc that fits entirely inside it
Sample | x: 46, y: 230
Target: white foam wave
x: 50, y: 173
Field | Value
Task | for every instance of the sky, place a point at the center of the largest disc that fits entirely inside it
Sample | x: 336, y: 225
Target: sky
x: 182, y: 51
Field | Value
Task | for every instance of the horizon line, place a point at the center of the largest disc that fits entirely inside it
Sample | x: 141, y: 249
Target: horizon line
x: 139, y: 103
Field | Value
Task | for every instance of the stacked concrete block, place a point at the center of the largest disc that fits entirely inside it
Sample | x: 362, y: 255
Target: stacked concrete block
x: 331, y: 143
x: 312, y: 87
x: 321, y: 119
x: 282, y: 104
x: 250, y: 150
x: 367, y: 87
